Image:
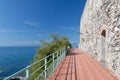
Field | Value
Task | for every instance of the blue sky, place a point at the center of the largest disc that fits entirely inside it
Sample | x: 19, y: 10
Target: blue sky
x: 26, y: 22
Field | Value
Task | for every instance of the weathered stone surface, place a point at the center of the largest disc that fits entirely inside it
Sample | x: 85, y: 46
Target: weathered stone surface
x: 99, y: 15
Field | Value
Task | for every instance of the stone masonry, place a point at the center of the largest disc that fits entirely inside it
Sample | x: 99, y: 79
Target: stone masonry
x: 100, y: 32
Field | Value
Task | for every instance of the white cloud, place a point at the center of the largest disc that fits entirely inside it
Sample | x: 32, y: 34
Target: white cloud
x: 20, y: 43
x: 72, y: 42
x: 34, y: 24
x: 69, y: 28
x: 12, y: 30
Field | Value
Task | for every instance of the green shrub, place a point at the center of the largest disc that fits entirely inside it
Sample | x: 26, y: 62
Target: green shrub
x: 46, y: 49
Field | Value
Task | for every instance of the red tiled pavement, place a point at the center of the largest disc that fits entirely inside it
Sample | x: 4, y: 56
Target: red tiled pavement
x: 80, y: 66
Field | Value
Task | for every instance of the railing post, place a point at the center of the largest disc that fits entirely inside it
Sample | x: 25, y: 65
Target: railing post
x: 53, y: 61
x: 67, y: 47
x: 45, y: 68
x: 63, y: 53
x: 60, y: 55
x: 65, y: 50
x: 28, y: 73
x: 57, y: 58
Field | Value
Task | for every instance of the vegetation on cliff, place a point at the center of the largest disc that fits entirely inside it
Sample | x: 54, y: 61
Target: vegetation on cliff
x: 48, y: 48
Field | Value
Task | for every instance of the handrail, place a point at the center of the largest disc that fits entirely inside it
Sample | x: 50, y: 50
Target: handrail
x: 47, y: 68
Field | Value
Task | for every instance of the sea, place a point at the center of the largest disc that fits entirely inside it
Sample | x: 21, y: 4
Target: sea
x: 13, y: 59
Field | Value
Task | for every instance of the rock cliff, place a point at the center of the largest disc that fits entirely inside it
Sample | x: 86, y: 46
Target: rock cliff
x: 100, y: 32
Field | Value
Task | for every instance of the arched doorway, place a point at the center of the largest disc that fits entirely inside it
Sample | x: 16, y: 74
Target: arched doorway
x: 103, y: 47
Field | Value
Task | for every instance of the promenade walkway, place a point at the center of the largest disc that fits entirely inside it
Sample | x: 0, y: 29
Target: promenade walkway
x: 80, y: 66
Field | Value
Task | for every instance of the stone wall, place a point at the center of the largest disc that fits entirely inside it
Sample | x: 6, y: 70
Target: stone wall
x: 99, y: 16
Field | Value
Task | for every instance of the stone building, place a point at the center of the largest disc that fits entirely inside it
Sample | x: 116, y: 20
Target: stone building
x: 100, y: 32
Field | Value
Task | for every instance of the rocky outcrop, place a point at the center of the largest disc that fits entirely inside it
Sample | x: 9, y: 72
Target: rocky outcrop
x: 100, y: 32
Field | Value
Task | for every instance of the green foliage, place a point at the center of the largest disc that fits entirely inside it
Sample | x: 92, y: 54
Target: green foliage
x: 46, y: 49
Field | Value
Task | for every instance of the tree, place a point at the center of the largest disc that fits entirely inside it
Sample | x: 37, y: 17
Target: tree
x: 46, y: 49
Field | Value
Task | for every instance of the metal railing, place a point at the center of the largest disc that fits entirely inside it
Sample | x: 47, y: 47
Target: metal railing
x: 45, y: 67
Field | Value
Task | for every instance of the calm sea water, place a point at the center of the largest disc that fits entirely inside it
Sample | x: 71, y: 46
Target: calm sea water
x: 13, y: 59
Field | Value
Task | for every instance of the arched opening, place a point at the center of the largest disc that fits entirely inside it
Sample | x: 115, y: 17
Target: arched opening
x: 103, y: 33
x: 103, y: 47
